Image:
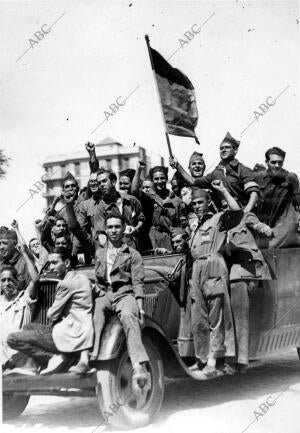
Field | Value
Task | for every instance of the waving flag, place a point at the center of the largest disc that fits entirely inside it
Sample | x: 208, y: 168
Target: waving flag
x: 177, y: 97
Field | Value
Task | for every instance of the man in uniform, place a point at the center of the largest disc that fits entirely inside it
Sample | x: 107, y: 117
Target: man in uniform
x: 211, y: 319
x: 237, y: 178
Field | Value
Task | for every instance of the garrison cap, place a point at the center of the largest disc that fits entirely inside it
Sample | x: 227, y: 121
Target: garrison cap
x: 195, y: 156
x: 69, y: 176
x: 229, y: 139
x: 9, y: 234
x: 198, y: 192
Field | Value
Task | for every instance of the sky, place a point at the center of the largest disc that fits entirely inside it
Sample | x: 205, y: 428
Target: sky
x: 54, y: 96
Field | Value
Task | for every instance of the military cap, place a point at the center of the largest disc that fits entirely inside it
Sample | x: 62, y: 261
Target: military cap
x: 229, y: 139
x: 195, y: 156
x: 198, y: 192
x: 69, y: 176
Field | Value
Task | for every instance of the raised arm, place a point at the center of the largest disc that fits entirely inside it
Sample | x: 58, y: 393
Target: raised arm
x: 34, y: 276
x: 93, y: 162
x: 136, y: 181
x: 177, y: 166
x: 219, y: 186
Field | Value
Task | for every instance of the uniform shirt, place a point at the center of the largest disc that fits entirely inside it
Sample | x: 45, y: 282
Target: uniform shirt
x: 211, y: 233
x: 14, y: 315
x: 237, y: 178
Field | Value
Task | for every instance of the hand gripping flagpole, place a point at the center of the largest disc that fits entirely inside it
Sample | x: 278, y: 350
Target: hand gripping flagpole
x: 159, y: 98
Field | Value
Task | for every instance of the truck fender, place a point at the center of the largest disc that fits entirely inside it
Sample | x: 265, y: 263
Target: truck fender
x: 113, y: 337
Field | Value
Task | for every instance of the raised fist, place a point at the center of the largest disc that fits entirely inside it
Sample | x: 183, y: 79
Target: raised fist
x: 90, y: 147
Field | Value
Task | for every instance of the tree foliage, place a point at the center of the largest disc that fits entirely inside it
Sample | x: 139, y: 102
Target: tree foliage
x: 4, y: 162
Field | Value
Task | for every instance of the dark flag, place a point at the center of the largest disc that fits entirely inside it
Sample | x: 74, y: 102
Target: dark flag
x: 177, y: 96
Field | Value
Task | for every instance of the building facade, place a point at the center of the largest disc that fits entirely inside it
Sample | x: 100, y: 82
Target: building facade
x: 111, y: 155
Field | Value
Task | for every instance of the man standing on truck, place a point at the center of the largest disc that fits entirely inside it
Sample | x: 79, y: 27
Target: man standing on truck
x: 238, y: 179
x: 120, y: 288
x: 280, y: 200
x: 211, y: 319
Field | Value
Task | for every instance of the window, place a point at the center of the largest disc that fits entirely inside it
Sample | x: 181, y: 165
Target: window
x: 125, y: 163
x: 77, y: 168
x: 63, y: 170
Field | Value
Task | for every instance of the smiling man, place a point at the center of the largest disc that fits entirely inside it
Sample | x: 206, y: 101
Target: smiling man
x: 237, y: 178
x: 279, y: 205
x: 120, y: 283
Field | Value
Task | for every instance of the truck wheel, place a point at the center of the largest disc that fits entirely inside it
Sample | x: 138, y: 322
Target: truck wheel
x: 14, y: 405
x: 298, y: 351
x: 120, y: 408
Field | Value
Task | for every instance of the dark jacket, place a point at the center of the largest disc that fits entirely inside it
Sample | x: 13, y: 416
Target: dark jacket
x: 127, y: 273
x: 238, y: 179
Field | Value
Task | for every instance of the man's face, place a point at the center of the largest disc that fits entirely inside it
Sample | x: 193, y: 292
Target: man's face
x: 105, y: 184
x: 197, y: 168
x: 8, y: 285
x: 200, y: 206
x: 227, y: 151
x: 7, y: 248
x: 178, y: 243
x: 125, y: 184
x: 57, y: 266
x: 114, y: 229
x: 159, y: 180
x: 35, y: 246
x: 93, y: 183
x: 61, y: 242
x: 275, y: 163
x: 70, y: 188
x: 147, y: 186
x: 61, y: 225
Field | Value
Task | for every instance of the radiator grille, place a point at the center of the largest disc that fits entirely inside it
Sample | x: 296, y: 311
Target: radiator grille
x: 150, y: 304
x: 46, y: 296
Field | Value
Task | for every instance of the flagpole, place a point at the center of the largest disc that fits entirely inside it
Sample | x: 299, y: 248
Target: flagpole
x: 158, y: 94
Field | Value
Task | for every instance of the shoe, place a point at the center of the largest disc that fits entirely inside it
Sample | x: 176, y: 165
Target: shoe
x: 229, y: 369
x: 21, y: 371
x: 139, y: 377
x: 199, y: 365
x: 207, y: 372
x: 55, y: 363
x: 242, y: 368
x: 79, y: 368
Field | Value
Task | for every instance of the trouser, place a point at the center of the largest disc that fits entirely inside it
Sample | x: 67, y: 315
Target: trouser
x: 35, y: 340
x: 210, y: 321
x: 240, y: 302
x: 208, y: 327
x: 128, y: 312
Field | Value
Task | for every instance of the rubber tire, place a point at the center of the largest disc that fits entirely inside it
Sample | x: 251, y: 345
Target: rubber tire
x: 14, y: 405
x: 108, y: 391
x: 298, y: 351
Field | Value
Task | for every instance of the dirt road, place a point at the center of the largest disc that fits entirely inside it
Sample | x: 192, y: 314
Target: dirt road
x: 236, y: 404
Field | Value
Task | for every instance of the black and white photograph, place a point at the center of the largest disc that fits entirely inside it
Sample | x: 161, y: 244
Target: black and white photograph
x: 150, y: 216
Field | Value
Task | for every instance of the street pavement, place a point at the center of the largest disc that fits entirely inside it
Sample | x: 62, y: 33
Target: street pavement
x: 265, y: 400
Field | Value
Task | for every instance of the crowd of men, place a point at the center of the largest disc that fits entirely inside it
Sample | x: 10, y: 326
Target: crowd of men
x: 218, y: 219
